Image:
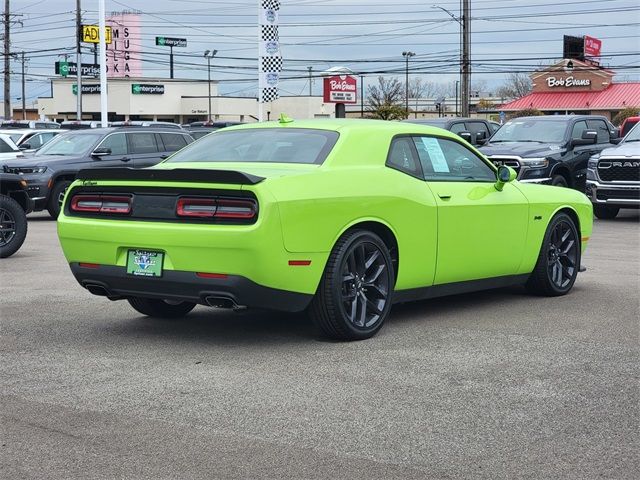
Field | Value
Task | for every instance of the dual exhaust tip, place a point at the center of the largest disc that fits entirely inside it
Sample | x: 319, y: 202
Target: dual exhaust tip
x: 212, y: 301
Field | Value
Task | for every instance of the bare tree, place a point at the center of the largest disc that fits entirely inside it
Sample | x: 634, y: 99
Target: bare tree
x: 516, y: 85
x: 385, y: 99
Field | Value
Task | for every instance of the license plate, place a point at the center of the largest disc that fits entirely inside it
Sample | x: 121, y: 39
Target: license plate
x: 144, y: 263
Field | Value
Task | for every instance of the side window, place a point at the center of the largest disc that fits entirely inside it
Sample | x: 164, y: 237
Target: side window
x: 402, y: 157
x: 172, y: 141
x: 601, y: 127
x: 458, y: 127
x: 578, y: 128
x: 142, y: 142
x: 117, y: 142
x: 5, y: 147
x: 446, y: 160
x: 35, y: 141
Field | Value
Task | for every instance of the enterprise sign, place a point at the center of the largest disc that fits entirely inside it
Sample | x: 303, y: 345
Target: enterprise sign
x: 144, y: 89
x: 171, y: 42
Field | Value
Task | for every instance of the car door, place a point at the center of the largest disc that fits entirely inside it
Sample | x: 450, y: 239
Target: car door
x: 481, y: 231
x: 119, y: 156
x: 144, y: 149
x: 577, y: 161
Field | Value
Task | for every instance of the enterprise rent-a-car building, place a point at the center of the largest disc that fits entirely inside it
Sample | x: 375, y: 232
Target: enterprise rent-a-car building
x: 173, y: 100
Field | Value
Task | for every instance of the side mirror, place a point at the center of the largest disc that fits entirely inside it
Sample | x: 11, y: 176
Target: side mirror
x: 615, y: 133
x: 616, y: 141
x: 101, y: 152
x: 589, y: 137
x: 465, y: 135
x: 505, y: 175
x: 481, y: 138
x: 25, y: 146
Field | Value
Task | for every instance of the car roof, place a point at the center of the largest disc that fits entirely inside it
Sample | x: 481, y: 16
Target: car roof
x: 550, y: 118
x: 104, y: 131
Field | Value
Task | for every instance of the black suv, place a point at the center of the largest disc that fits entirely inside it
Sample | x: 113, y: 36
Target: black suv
x: 476, y: 131
x: 551, y: 149
x: 613, y: 177
x: 53, y: 167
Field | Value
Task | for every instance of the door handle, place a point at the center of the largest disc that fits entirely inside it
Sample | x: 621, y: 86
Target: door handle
x: 444, y: 196
x: 125, y: 159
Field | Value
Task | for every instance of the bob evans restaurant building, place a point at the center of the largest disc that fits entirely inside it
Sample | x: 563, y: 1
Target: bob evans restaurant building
x: 572, y: 86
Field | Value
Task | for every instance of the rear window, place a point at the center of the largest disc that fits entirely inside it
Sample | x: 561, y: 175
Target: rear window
x: 261, y: 145
x: 142, y: 143
x: 173, y: 141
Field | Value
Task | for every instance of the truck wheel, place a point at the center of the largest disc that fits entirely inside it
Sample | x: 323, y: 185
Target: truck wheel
x: 13, y: 226
x: 56, y: 196
x: 605, y: 213
x: 354, y: 296
x: 153, y: 307
x: 559, y: 181
x: 559, y: 259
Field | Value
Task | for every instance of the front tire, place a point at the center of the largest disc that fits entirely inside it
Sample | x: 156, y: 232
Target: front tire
x: 559, y: 181
x: 559, y: 259
x: 13, y: 226
x: 153, y: 307
x: 354, y: 296
x: 605, y: 213
x: 56, y: 196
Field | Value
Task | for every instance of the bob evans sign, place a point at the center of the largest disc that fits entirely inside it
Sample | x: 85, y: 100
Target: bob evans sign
x: 568, y: 82
x: 340, y: 89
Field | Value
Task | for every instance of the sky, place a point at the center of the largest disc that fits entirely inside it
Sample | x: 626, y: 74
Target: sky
x: 367, y: 36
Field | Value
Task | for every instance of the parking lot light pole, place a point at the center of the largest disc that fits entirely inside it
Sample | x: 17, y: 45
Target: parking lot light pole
x: 209, y: 54
x: 407, y: 55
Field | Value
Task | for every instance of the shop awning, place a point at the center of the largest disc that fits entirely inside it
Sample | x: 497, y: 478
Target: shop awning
x: 616, y: 97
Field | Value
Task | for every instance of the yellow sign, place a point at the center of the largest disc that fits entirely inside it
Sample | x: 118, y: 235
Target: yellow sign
x: 91, y: 34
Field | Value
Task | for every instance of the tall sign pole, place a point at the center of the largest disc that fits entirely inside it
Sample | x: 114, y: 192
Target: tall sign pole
x: 78, y: 60
x: 103, y: 64
x: 269, y: 57
x: 466, y: 47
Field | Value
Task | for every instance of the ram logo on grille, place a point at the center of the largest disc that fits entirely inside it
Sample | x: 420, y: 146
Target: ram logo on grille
x: 606, y: 165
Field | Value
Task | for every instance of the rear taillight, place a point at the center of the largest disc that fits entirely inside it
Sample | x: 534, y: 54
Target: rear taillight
x: 101, y: 204
x: 216, y: 208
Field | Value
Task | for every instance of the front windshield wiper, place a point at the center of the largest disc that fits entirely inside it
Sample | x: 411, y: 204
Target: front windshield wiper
x: 632, y: 140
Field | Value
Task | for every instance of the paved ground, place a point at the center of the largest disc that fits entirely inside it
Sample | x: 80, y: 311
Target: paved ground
x: 490, y: 385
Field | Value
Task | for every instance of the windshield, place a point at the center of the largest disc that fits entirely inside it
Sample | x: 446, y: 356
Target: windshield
x: 70, y: 144
x: 633, y: 135
x: 274, y: 145
x: 531, y: 130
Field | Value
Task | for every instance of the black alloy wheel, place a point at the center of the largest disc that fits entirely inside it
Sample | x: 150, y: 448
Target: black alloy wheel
x: 365, y: 289
x: 13, y: 226
x: 558, y: 262
x: 562, y: 255
x: 355, y: 293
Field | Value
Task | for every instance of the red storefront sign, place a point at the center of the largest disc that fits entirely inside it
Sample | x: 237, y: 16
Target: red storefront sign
x: 592, y: 46
x: 340, y: 89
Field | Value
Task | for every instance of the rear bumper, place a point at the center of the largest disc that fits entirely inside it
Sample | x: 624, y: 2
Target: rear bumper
x: 232, y: 290
x: 614, y: 195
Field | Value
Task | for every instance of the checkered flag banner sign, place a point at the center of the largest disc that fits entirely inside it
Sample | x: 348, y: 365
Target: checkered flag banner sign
x: 270, y: 59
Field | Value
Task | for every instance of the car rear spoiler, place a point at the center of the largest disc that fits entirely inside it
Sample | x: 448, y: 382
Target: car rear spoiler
x: 176, y: 175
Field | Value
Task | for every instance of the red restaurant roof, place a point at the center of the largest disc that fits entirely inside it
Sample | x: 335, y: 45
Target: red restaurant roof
x: 617, y: 96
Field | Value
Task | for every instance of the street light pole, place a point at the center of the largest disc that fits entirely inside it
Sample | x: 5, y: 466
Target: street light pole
x: 209, y: 54
x: 407, y: 55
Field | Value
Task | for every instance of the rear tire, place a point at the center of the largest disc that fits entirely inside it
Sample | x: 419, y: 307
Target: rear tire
x: 559, y: 259
x: 605, y: 213
x: 56, y: 196
x: 13, y: 226
x: 153, y: 307
x: 354, y: 296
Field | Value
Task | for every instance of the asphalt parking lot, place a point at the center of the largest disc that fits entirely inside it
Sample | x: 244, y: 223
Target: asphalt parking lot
x: 489, y: 385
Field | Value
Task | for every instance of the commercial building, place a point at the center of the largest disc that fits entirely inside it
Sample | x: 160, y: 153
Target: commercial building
x: 173, y: 100
x: 573, y: 86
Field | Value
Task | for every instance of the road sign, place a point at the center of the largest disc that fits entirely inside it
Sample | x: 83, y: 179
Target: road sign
x: 171, y: 42
x: 88, y: 69
x: 340, y: 89
x: 91, y: 34
x: 503, y: 117
x: 145, y: 89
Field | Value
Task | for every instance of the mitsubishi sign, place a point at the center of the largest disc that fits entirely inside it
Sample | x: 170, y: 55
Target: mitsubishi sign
x: 340, y: 89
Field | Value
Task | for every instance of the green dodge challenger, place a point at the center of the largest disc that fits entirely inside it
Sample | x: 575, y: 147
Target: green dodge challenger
x: 340, y: 217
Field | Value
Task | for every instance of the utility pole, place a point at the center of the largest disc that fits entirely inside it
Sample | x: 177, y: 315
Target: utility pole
x: 361, y: 96
x: 104, y: 112
x: 171, y: 61
x: 79, y: 61
x: 24, y: 100
x: 7, y: 62
x: 466, y: 47
x: 310, y: 80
